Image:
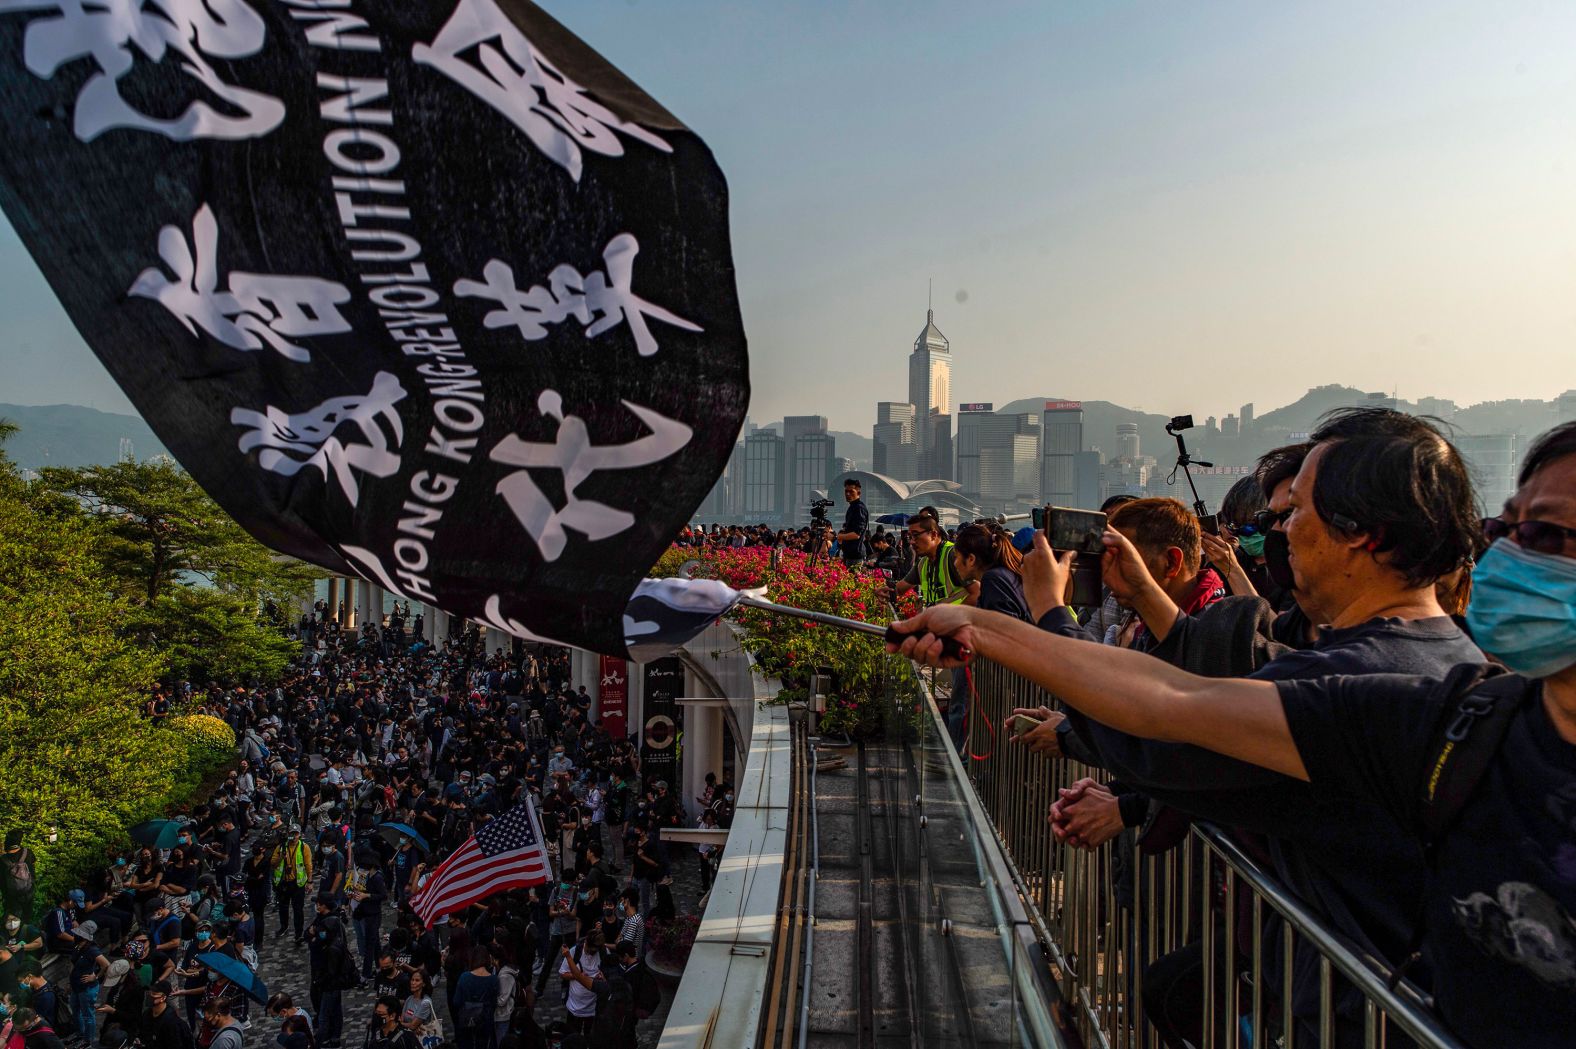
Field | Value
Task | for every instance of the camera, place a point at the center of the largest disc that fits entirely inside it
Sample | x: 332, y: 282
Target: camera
x: 1179, y: 422
x: 818, y: 511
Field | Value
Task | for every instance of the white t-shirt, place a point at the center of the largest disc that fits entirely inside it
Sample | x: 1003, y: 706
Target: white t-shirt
x: 582, y: 1000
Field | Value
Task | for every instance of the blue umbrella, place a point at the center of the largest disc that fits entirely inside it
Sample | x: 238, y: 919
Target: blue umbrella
x: 393, y: 832
x: 893, y: 519
x: 238, y: 973
x: 157, y: 834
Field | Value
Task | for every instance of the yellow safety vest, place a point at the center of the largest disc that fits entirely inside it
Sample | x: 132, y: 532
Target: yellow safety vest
x: 301, y: 875
x: 934, y: 586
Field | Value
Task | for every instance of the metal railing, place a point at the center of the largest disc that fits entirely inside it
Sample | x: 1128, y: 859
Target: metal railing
x: 1107, y: 914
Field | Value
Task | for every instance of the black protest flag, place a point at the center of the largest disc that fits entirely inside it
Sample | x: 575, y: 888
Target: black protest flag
x: 430, y: 293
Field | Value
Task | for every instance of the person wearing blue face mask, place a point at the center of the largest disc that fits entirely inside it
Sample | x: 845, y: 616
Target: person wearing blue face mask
x: 1479, y: 767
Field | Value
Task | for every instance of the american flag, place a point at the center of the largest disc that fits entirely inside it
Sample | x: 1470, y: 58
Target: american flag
x: 505, y: 854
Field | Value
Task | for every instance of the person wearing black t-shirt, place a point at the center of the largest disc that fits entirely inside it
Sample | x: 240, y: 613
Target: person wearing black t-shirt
x: 390, y: 980
x: 856, y: 521
x: 1499, y: 906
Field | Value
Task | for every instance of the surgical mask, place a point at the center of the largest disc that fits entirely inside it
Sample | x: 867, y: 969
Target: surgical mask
x: 1277, y: 560
x: 1252, y: 545
x: 203, y: 937
x: 585, y: 896
x: 1523, y: 609
x: 13, y: 925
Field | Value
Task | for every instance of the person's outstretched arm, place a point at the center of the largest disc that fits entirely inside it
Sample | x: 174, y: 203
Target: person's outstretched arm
x: 1127, y: 690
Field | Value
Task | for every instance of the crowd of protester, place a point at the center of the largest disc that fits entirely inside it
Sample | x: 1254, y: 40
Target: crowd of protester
x: 1324, y: 680
x: 379, y: 726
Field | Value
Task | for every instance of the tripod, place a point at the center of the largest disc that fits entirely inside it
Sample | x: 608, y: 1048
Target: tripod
x: 1184, y: 460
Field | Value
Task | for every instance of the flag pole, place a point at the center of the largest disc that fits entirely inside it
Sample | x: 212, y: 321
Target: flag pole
x: 877, y: 629
x: 951, y: 649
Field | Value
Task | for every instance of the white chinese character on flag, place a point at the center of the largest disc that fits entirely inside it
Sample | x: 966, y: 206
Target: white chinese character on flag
x: 573, y: 453
x: 518, y: 81
x: 113, y: 32
x: 291, y: 443
x: 254, y: 309
x: 599, y: 301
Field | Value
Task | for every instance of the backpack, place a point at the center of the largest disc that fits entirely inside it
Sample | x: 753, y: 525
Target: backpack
x: 19, y: 872
x: 615, y: 1014
x: 647, y: 995
x: 345, y: 974
x: 64, y: 1021
x: 1483, y: 702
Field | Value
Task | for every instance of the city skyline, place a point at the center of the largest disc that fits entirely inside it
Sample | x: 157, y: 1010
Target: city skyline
x: 1153, y: 207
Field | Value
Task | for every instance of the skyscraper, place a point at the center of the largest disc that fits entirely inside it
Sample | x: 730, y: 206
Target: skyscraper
x: 930, y: 385
x: 1061, y: 439
x: 812, y: 470
x: 936, y: 460
x: 894, y: 443
x: 1493, y: 460
x: 1565, y: 407
x: 795, y: 427
x: 763, y: 476
x: 1127, y: 440
x: 998, y: 458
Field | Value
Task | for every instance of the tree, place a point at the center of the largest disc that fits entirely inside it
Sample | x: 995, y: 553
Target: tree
x: 74, y: 748
x: 198, y: 581
x: 157, y: 528
x: 206, y: 635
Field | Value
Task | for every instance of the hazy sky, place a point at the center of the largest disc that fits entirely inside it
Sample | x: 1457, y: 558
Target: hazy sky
x: 1175, y: 207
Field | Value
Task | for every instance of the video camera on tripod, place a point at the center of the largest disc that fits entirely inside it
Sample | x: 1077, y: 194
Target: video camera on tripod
x: 818, y: 508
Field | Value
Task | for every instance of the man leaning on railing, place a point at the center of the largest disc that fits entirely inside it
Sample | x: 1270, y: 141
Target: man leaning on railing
x: 1475, y: 765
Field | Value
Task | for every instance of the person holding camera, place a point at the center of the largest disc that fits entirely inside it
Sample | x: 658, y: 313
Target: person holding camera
x: 856, y: 521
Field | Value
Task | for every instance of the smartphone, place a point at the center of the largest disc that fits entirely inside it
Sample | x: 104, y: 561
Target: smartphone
x: 1023, y: 723
x: 1076, y: 530
x: 1079, y: 531
x: 1209, y: 524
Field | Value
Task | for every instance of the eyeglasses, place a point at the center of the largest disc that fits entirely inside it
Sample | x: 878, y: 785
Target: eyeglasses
x: 1266, y: 520
x: 1545, y: 537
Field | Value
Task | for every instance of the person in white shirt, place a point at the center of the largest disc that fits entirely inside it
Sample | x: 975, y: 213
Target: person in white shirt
x: 581, y: 970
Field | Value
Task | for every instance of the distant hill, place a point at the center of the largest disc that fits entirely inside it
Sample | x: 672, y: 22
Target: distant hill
x: 1100, y: 420
x: 1274, y: 427
x: 71, y: 435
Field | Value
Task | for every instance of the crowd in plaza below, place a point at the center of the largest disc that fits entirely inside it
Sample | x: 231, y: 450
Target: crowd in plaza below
x: 292, y: 855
